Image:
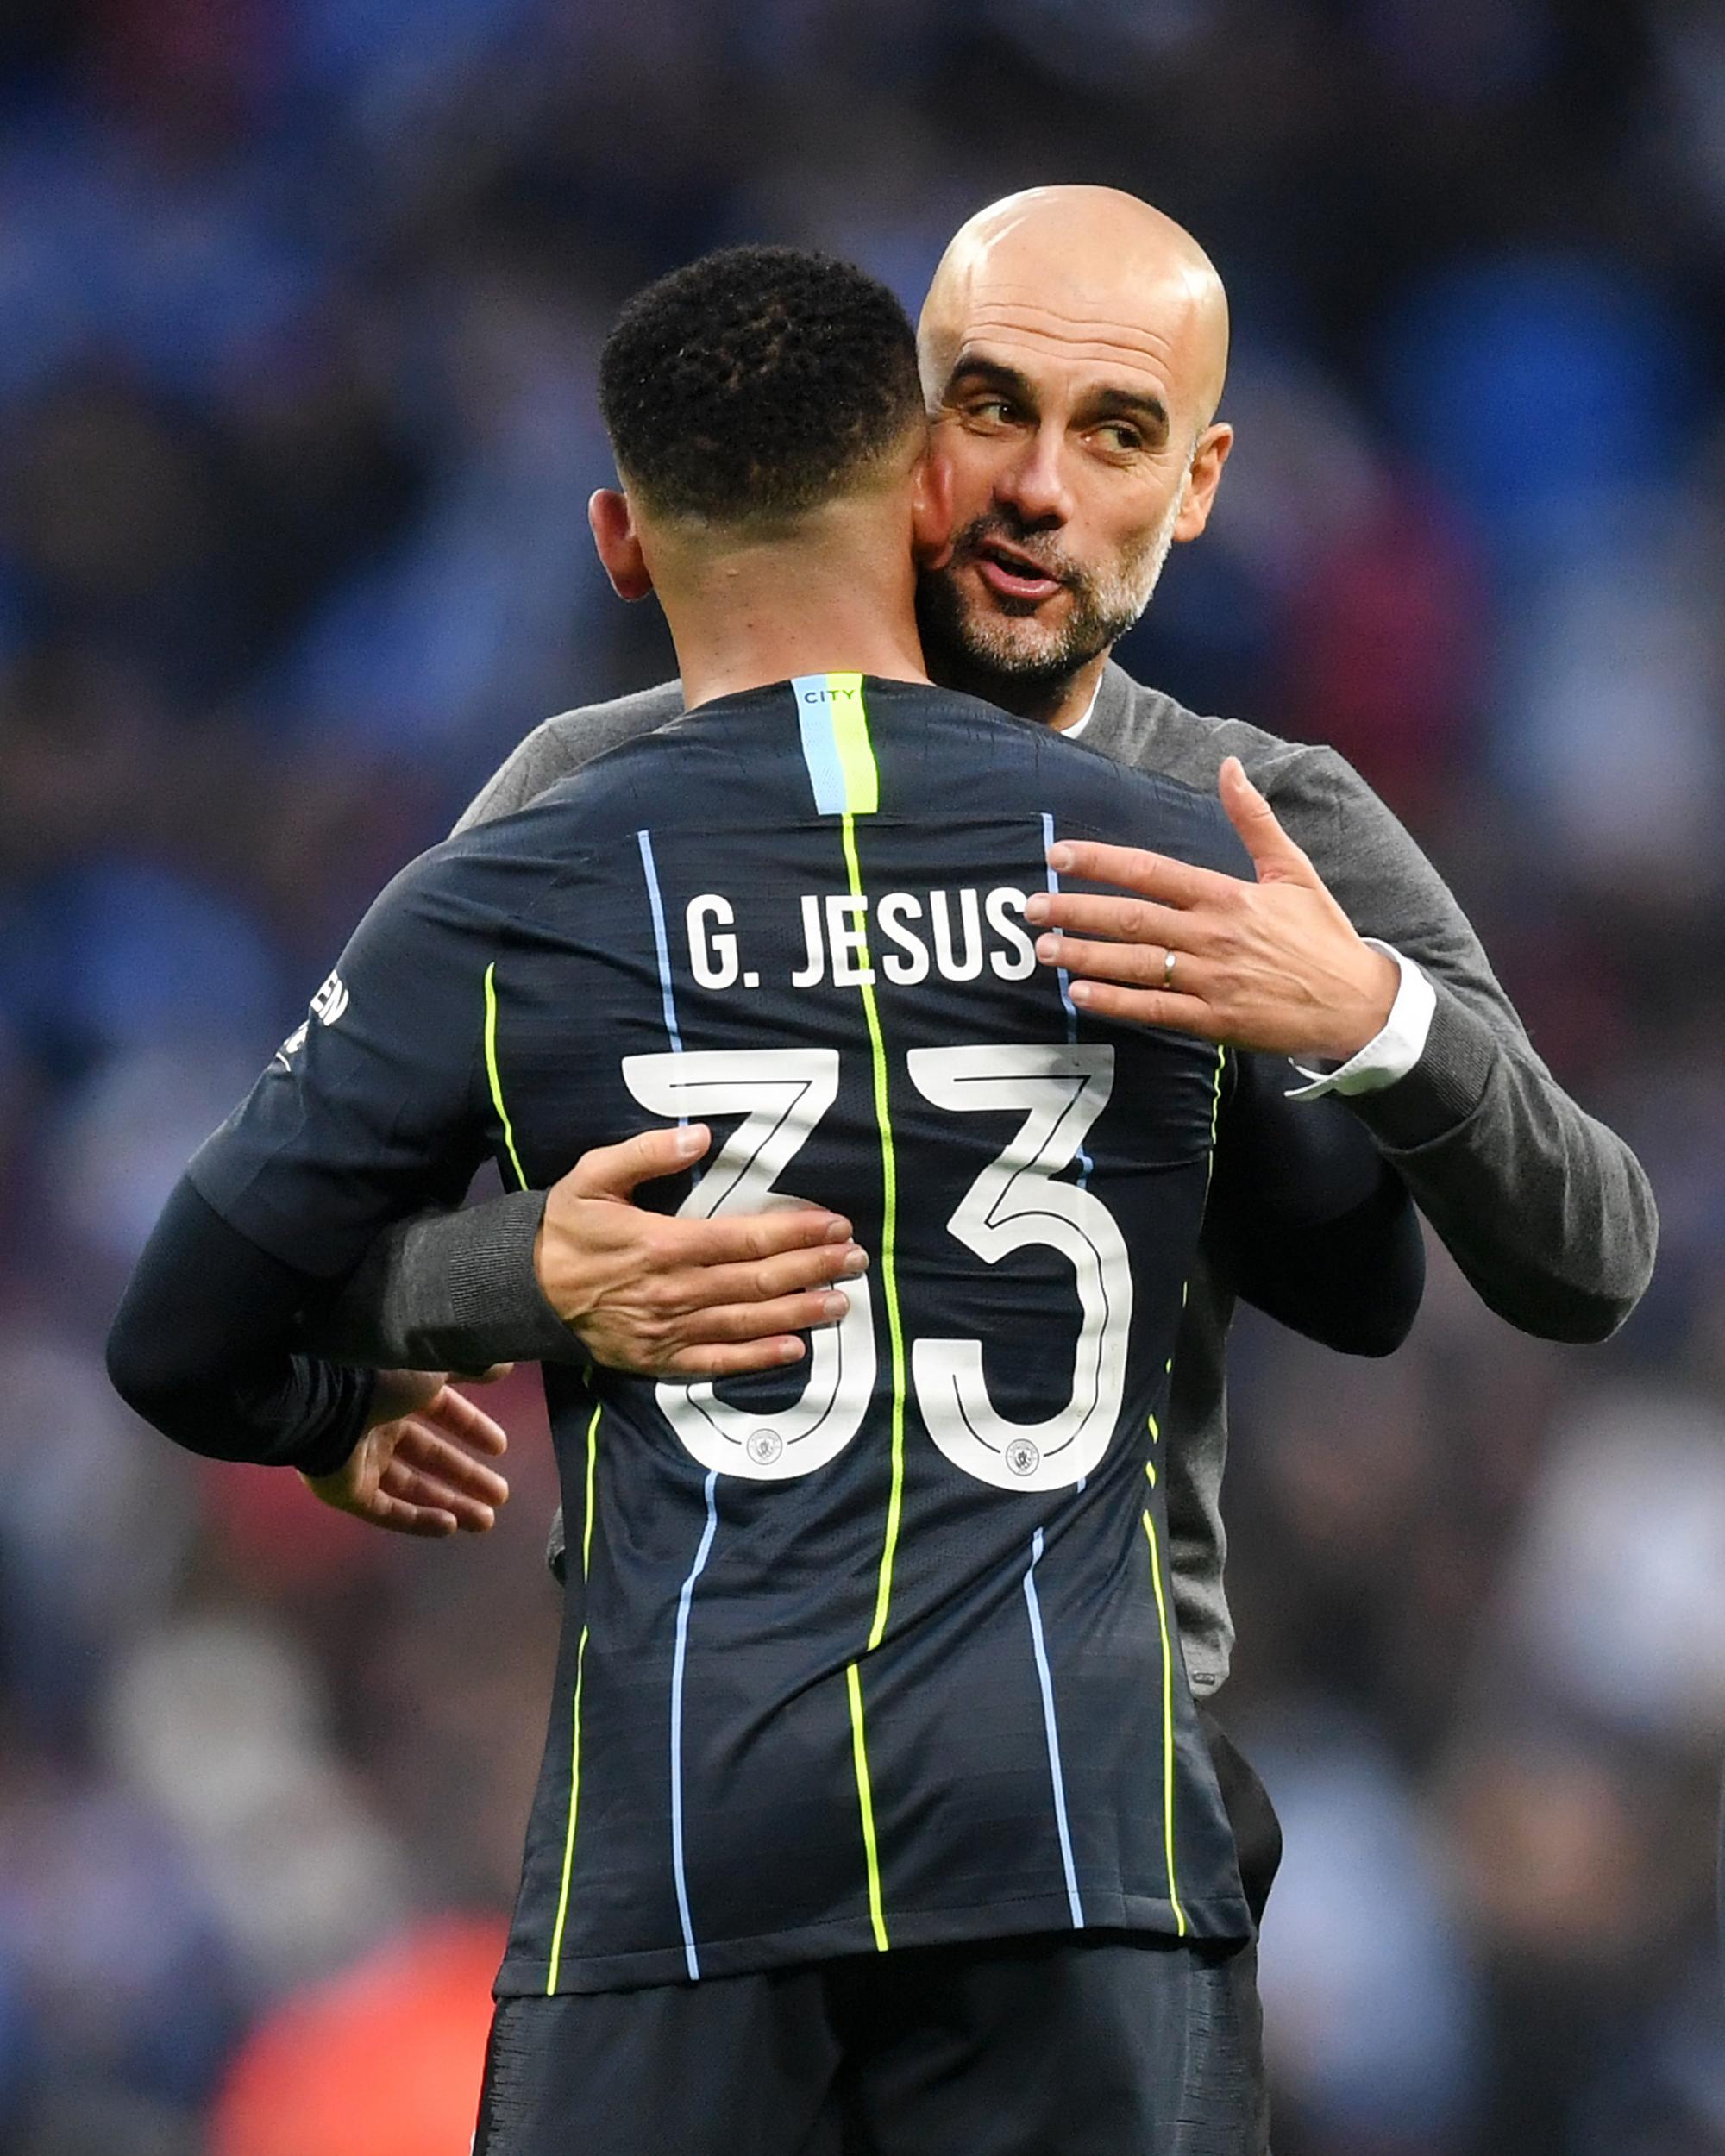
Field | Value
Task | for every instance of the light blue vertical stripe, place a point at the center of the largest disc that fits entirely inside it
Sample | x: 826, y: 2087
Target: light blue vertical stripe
x: 662, y: 943
x: 684, y: 1602
x: 1052, y: 1731
x: 820, y: 745
x: 1085, y: 1163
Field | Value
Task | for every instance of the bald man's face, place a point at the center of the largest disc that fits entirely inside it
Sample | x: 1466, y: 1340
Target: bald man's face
x: 1075, y: 429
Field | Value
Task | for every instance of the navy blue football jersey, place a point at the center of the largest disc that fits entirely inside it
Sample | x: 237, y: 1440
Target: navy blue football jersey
x: 876, y: 1650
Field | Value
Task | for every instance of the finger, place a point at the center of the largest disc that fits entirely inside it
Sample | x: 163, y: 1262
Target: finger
x: 431, y: 1523
x: 1134, y: 965
x: 1128, y: 920
x: 460, y: 1417
x: 613, y: 1171
x: 429, y: 1451
x: 1148, y: 1007
x: 1274, y: 854
x: 413, y: 1486
x: 761, y: 1281
x: 741, y: 1236
x: 714, y: 1358
x: 1151, y: 875
x: 758, y: 1320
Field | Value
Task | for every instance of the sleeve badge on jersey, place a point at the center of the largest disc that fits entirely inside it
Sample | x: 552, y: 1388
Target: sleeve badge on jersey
x: 330, y: 1001
x: 327, y: 1005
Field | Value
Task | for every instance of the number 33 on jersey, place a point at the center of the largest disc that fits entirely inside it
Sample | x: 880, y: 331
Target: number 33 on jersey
x: 781, y: 1095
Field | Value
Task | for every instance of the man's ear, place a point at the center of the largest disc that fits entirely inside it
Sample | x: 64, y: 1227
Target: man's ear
x: 931, y: 511
x: 1210, y: 455
x: 612, y: 522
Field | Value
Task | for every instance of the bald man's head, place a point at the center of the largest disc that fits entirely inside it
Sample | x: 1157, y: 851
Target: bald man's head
x: 1072, y: 350
x: 1092, y: 266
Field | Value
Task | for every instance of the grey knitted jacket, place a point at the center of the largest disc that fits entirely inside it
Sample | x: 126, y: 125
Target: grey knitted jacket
x: 1546, y: 1212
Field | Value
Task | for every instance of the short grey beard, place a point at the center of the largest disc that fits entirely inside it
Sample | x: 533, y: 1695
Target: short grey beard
x: 980, y: 652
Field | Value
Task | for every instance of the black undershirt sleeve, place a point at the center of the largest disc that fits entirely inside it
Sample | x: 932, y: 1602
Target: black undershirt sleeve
x: 203, y: 1347
x: 370, y: 1109
x: 1308, y: 1221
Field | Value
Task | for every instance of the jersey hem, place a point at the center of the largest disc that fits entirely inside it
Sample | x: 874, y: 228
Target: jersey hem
x: 1216, y: 1918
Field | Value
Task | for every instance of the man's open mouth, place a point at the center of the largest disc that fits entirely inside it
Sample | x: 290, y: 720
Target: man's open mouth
x: 1014, y: 575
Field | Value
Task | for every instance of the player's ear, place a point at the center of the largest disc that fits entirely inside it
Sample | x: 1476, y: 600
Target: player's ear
x: 931, y: 511
x: 612, y: 522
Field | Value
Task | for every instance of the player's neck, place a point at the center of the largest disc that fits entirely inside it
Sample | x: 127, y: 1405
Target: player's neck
x: 767, y: 614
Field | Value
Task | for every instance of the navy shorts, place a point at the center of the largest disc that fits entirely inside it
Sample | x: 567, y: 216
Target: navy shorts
x: 1075, y: 2044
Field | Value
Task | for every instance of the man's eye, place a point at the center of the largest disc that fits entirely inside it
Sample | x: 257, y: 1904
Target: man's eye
x: 994, y: 410
x: 1115, y: 434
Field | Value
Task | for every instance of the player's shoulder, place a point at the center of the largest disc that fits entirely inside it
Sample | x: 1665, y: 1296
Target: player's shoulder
x: 1096, y: 795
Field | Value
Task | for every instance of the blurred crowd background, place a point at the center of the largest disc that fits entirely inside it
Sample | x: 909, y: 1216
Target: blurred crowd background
x: 299, y: 304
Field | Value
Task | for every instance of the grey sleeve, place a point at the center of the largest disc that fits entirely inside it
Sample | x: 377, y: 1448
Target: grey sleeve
x: 1548, y: 1213
x: 529, y: 770
x: 457, y: 1290
x: 450, y: 1291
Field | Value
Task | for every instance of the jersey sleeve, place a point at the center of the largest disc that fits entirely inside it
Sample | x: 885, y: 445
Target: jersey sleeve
x: 1308, y: 1221
x: 373, y: 1107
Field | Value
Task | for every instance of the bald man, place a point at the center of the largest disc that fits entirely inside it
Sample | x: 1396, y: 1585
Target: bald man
x: 1073, y: 351
x: 1090, y: 332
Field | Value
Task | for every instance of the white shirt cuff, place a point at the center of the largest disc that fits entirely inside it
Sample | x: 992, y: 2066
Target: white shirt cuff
x: 1390, y: 1055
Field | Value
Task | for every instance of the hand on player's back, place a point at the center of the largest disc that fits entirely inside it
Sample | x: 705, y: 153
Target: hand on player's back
x: 667, y: 1297
x: 1275, y: 965
x: 415, y: 1471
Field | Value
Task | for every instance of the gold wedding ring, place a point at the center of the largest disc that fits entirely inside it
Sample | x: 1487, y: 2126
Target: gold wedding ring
x: 1168, y: 968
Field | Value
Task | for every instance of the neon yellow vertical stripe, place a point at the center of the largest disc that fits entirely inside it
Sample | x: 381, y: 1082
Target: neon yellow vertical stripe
x: 1155, y: 1559
x: 587, y: 1520
x: 496, y: 1076
x: 1167, y: 1724
x: 861, y: 797
x: 859, y: 1753
x: 850, y: 739
x: 576, y: 1726
x: 889, y: 1273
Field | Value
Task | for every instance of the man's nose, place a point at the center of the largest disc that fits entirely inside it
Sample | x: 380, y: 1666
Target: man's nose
x: 1034, y: 484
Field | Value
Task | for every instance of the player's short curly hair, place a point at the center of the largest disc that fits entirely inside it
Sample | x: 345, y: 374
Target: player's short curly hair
x: 757, y: 382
